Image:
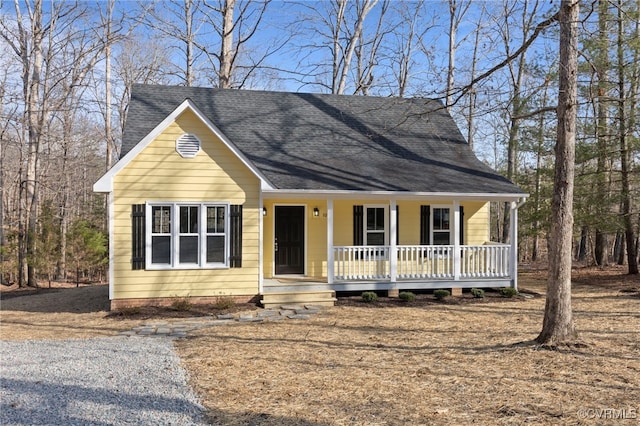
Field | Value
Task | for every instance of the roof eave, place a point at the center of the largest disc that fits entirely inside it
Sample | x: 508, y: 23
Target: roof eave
x: 404, y: 195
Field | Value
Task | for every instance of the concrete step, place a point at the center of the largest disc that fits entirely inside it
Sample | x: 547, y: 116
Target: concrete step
x: 318, y: 298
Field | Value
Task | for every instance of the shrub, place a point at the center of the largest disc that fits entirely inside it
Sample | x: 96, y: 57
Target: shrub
x: 224, y: 302
x: 407, y: 296
x: 508, y: 291
x: 478, y: 293
x: 369, y: 297
x: 181, y: 304
x: 441, y: 294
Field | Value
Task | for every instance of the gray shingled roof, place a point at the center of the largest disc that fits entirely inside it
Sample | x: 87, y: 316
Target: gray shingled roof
x: 330, y: 142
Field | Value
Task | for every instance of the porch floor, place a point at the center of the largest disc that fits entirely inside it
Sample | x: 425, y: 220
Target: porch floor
x: 291, y: 284
x: 314, y: 290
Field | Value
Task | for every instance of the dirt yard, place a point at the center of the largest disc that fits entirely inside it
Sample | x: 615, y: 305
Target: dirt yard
x: 456, y: 362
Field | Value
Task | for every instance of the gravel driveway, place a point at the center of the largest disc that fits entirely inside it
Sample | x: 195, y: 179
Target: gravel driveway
x: 105, y: 381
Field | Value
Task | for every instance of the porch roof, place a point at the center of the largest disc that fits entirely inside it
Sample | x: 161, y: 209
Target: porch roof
x: 331, y: 143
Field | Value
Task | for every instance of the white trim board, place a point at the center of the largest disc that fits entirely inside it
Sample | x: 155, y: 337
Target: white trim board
x: 378, y: 195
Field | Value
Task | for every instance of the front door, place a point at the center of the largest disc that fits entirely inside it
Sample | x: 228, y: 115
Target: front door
x: 289, y: 240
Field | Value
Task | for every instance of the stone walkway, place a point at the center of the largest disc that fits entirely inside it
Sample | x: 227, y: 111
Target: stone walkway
x: 181, y: 327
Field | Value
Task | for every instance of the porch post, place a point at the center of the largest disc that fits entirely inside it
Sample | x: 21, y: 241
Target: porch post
x: 513, y: 262
x: 393, y: 249
x: 261, y: 246
x: 330, y: 259
x: 456, y: 240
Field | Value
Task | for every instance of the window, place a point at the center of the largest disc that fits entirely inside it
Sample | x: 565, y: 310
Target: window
x: 216, y: 234
x: 375, y: 232
x: 441, y: 234
x: 187, y: 235
x: 161, y: 234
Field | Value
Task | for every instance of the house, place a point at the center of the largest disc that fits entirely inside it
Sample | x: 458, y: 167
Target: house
x: 283, y: 197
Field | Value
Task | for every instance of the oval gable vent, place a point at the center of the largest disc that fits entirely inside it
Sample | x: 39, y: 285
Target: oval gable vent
x: 188, y: 145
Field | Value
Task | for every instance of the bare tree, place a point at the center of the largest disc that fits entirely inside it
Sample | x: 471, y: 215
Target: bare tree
x: 517, y: 99
x: 343, y: 54
x: 367, y: 52
x: 409, y: 33
x: 140, y: 60
x: 337, y: 28
x: 472, y: 92
x: 558, y: 326
x: 27, y: 45
x: 457, y: 10
x: 55, y: 55
x: 235, y: 24
x: 176, y: 21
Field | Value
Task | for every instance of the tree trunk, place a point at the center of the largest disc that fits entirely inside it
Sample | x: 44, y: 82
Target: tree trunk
x: 367, y: 5
x: 602, y: 68
x: 538, y: 183
x: 619, y: 248
x: 226, y: 46
x: 625, y: 155
x: 188, y: 21
x: 35, y: 120
x: 473, y: 95
x: 453, y: 28
x: 582, y: 247
x: 517, y: 106
x: 600, y: 250
x: 558, y: 324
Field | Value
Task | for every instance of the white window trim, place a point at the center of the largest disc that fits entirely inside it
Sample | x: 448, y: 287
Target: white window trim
x: 451, y: 224
x: 175, y: 236
x: 386, y: 222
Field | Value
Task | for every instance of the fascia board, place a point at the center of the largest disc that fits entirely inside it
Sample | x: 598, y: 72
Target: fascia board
x: 399, y: 195
x: 105, y: 183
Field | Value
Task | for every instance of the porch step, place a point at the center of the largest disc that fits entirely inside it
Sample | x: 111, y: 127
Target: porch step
x: 319, y: 298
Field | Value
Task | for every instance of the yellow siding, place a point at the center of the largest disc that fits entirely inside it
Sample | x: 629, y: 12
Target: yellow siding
x: 476, y: 220
x: 476, y: 215
x: 159, y: 173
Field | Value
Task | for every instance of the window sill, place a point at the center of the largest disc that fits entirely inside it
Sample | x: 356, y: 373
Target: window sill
x: 186, y: 268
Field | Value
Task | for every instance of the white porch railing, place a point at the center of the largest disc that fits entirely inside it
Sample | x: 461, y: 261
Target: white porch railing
x: 488, y: 261
x: 421, y: 262
x: 425, y: 262
x: 361, y: 263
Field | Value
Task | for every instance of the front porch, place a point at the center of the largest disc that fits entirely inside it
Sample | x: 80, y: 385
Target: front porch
x: 373, y: 268
x: 309, y: 256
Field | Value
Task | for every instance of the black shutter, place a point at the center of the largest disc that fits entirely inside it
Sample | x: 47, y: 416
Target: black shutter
x: 137, y: 236
x: 358, y: 225
x: 235, y: 236
x: 425, y: 225
x: 461, y: 225
x: 397, y: 224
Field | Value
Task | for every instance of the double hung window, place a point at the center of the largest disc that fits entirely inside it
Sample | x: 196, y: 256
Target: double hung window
x: 375, y: 226
x: 187, y: 235
x: 375, y: 233
x: 441, y: 230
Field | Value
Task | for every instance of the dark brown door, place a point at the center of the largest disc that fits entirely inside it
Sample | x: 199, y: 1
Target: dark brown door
x: 289, y: 240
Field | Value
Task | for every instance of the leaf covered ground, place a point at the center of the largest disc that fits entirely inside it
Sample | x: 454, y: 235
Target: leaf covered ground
x: 455, y: 362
